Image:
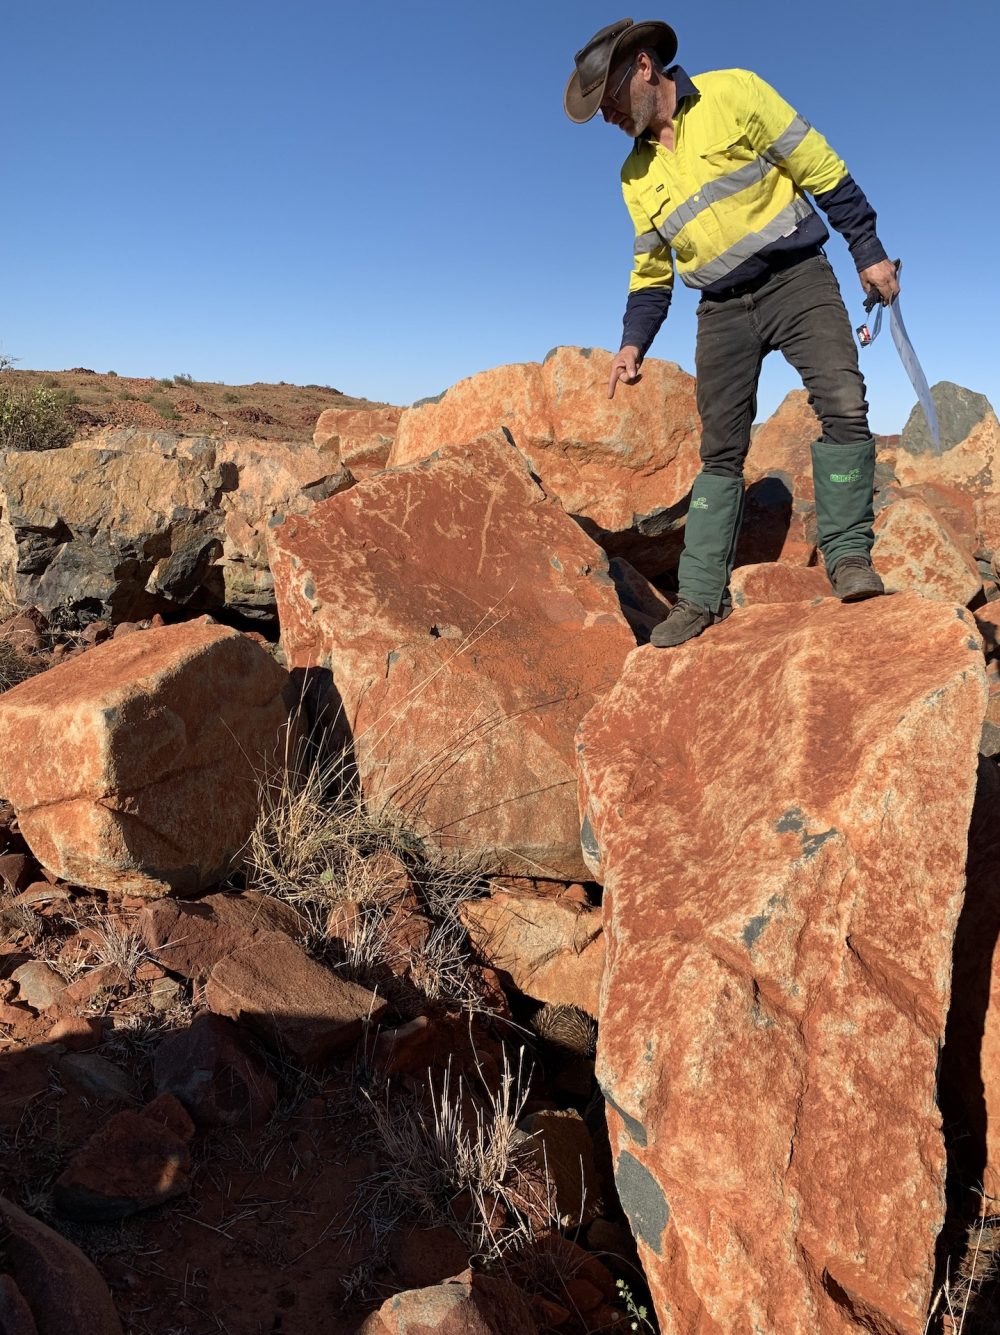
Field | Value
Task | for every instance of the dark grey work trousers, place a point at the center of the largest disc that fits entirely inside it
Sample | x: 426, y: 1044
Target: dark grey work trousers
x: 800, y: 312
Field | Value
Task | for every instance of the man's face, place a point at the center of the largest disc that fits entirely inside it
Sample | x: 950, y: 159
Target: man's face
x: 629, y: 102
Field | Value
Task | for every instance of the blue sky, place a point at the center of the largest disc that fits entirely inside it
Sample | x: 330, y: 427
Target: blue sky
x: 387, y: 198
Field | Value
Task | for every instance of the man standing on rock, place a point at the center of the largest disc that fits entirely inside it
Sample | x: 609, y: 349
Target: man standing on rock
x: 716, y: 181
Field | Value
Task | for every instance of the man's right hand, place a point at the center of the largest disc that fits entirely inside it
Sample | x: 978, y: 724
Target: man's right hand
x: 624, y: 367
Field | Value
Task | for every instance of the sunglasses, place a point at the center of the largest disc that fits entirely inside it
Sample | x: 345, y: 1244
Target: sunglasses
x: 622, y: 82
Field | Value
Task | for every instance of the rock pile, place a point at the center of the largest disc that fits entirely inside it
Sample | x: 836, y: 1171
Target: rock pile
x: 130, y: 523
x: 318, y: 974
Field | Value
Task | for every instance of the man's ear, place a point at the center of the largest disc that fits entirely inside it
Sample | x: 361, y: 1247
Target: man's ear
x: 645, y: 67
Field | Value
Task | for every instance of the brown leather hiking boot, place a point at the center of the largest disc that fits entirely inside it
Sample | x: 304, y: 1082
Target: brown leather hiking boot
x: 854, y: 578
x: 684, y: 621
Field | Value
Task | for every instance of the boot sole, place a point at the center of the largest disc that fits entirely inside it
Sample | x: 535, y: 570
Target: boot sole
x: 861, y: 595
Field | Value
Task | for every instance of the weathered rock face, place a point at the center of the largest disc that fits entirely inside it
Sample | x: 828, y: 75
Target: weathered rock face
x: 622, y: 466
x: 49, y: 1287
x: 970, y: 440
x: 988, y: 529
x: 134, y: 1161
x: 781, y: 896
x: 130, y: 523
x: 289, y: 1000
x: 133, y: 769
x: 191, y: 938
x: 468, y: 625
x: 917, y: 551
x: 776, y: 582
x: 548, y: 948
x: 359, y: 438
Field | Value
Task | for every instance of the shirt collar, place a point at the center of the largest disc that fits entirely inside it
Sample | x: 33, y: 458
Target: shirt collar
x: 682, y: 81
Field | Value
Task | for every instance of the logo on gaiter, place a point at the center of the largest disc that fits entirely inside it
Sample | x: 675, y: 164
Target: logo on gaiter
x: 699, y: 503
x: 853, y: 476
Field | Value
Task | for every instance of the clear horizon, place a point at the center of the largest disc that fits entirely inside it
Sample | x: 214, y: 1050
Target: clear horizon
x: 391, y: 201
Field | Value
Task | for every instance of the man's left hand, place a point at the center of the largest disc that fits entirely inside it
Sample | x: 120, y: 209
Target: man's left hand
x: 881, y: 278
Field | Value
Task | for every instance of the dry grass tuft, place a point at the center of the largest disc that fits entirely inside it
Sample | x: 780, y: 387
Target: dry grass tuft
x: 119, y: 943
x: 18, y: 921
x: 314, y: 833
x: 15, y: 665
x: 463, y: 1148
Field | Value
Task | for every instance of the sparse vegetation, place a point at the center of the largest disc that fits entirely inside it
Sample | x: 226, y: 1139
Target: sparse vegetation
x: 33, y: 419
x: 353, y: 872
x: 638, y: 1315
x: 15, y: 665
x: 164, y: 407
x: 119, y: 943
x: 432, y: 1159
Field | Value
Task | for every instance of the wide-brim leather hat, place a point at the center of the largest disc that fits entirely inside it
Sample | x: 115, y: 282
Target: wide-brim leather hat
x: 603, y: 52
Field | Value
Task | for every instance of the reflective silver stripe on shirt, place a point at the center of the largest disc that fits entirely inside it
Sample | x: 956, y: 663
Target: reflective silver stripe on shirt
x: 647, y: 242
x: 788, y: 141
x: 784, y: 224
x: 751, y: 173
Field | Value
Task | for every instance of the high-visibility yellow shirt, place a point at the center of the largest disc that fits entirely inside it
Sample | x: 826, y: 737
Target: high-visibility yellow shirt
x: 732, y: 192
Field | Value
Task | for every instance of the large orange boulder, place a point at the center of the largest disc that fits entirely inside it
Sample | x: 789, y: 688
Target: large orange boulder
x: 134, y: 768
x: 622, y: 466
x: 970, y: 1062
x: 781, y: 809
x: 468, y: 625
x: 916, y: 550
x: 359, y: 438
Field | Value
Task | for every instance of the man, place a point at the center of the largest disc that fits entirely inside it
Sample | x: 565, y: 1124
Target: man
x: 716, y: 182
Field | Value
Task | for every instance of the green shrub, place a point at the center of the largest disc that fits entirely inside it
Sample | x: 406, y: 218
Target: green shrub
x: 167, y: 382
x: 230, y: 397
x: 165, y: 408
x: 183, y: 380
x: 111, y: 373
x: 33, y: 420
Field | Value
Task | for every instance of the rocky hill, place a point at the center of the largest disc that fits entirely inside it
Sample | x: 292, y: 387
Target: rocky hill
x: 97, y: 400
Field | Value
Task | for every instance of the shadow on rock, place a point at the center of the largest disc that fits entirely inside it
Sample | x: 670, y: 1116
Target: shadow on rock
x: 969, y: 1096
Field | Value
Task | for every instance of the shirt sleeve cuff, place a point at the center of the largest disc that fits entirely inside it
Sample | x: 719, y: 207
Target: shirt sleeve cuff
x: 868, y: 252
